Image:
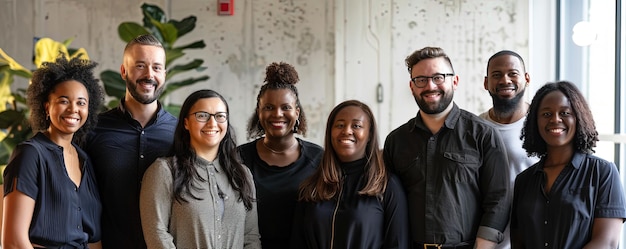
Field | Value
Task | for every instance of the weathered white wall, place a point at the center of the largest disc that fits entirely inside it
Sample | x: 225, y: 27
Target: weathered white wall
x: 342, y: 49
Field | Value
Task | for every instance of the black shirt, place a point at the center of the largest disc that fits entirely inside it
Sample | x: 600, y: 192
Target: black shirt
x: 354, y: 221
x: 587, y: 188
x: 277, y: 190
x: 121, y: 151
x: 457, y: 180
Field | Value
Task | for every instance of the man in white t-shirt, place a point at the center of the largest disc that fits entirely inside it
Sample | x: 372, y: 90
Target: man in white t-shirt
x: 506, y: 82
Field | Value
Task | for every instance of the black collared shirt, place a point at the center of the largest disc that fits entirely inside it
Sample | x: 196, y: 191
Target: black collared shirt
x: 587, y: 188
x: 64, y: 214
x: 121, y: 151
x: 457, y: 180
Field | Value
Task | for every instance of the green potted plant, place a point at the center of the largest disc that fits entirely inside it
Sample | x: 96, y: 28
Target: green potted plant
x: 14, y: 127
x: 168, y: 32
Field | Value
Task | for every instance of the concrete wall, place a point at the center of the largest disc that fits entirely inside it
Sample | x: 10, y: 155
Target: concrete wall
x: 344, y: 49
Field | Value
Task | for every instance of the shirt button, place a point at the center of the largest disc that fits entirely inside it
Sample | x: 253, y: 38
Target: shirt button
x: 141, y: 156
x: 545, y: 244
x: 545, y: 222
x: 142, y: 132
x: 79, y: 209
x: 75, y: 189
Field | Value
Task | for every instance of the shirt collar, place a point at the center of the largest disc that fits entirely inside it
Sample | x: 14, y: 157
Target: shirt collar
x: 450, y: 122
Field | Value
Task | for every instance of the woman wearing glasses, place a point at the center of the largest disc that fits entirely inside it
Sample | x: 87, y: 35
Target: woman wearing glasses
x: 279, y: 161
x: 202, y: 196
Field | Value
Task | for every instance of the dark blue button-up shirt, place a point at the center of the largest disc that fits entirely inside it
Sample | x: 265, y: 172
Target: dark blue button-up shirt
x: 121, y: 150
x: 64, y: 214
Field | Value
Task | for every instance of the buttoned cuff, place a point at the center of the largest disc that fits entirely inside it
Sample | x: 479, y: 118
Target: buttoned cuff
x: 490, y: 234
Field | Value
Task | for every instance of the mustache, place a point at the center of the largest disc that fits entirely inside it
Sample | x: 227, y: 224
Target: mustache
x: 147, y: 81
x: 431, y: 92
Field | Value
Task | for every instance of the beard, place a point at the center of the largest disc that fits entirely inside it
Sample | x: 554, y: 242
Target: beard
x: 144, y: 98
x: 502, y: 105
x: 434, y: 108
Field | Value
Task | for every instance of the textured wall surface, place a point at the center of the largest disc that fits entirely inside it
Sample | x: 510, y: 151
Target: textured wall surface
x: 342, y: 49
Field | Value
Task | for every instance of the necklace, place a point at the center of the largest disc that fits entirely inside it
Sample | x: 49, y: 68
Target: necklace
x: 279, y: 152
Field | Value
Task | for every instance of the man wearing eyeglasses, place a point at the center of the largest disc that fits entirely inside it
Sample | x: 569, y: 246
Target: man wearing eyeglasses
x: 452, y: 163
x: 128, y: 139
x: 506, y: 82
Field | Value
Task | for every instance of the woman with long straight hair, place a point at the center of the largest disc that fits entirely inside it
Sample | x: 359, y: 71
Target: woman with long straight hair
x: 202, y: 196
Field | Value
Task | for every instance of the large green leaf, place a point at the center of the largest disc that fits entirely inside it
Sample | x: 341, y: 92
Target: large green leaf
x: 185, y: 26
x: 5, y: 89
x: 10, y: 118
x: 195, y: 64
x: 173, y: 86
x: 154, y: 12
x: 197, y: 44
x: 114, y: 85
x: 168, y: 32
x: 129, y: 30
x: 171, y: 55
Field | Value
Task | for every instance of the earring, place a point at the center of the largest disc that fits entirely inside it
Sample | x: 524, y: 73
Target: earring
x: 295, y: 127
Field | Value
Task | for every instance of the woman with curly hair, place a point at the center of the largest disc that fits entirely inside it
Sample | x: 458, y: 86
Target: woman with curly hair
x: 51, y: 197
x: 202, y: 196
x: 352, y: 200
x: 570, y: 198
x: 279, y: 160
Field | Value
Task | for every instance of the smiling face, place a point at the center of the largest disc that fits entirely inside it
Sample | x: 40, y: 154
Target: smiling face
x: 67, y: 107
x: 350, y: 133
x: 506, y: 81
x: 556, y: 121
x: 144, y: 73
x: 433, y: 98
x: 278, y: 112
x: 206, y: 135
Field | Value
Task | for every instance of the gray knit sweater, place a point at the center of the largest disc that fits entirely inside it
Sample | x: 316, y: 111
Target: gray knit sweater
x: 213, y: 222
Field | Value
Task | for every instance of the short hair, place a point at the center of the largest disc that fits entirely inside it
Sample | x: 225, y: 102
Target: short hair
x: 506, y: 52
x: 48, y: 76
x: 145, y: 39
x: 426, y: 53
x: 278, y: 76
x: 324, y: 184
x: 586, y: 134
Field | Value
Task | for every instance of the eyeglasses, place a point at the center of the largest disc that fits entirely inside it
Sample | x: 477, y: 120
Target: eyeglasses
x: 204, y: 117
x: 438, y: 79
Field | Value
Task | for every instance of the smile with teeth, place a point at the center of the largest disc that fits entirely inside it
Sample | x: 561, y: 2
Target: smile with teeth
x: 71, y: 120
x: 346, y: 141
x: 556, y: 130
x: 210, y: 132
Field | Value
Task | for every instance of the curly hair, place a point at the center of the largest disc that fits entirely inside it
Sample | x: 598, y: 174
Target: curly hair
x: 586, y: 134
x: 185, y: 171
x: 325, y: 183
x: 426, y: 53
x: 48, y: 76
x: 278, y: 76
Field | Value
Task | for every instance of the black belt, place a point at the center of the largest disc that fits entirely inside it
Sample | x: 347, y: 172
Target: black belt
x: 462, y: 245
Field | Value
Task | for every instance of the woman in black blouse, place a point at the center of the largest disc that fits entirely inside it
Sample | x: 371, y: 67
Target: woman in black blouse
x: 351, y: 201
x: 51, y: 197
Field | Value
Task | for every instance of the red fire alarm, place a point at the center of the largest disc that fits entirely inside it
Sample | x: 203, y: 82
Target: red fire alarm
x: 225, y: 7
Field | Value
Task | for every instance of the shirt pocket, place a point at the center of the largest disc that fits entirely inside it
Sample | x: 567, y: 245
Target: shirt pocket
x: 580, y: 202
x: 463, y: 166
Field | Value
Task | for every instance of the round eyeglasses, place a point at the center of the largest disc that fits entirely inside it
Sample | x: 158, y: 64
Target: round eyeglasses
x: 204, y: 117
x: 438, y: 79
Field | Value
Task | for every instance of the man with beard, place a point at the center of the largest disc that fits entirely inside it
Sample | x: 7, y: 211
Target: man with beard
x: 506, y: 82
x: 128, y: 139
x: 452, y: 163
